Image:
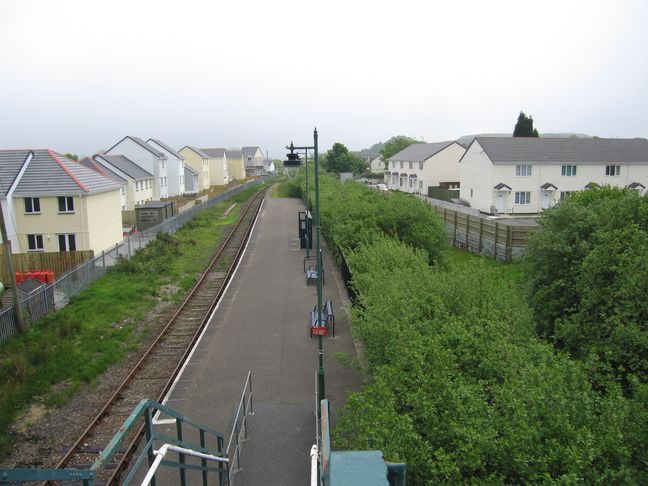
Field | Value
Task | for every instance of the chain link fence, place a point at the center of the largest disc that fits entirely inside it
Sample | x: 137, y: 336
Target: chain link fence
x: 56, y: 295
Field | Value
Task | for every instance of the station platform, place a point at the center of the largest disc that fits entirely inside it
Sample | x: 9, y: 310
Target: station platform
x: 261, y: 325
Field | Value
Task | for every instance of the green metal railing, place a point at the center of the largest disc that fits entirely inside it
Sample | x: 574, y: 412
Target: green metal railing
x: 144, y: 411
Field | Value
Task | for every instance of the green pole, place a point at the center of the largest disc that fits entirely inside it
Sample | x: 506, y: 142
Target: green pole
x: 318, y: 255
x: 308, y: 241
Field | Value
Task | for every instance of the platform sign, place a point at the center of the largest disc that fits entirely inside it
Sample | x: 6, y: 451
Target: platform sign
x: 319, y: 331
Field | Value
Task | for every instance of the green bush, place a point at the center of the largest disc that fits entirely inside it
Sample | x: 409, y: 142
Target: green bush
x: 587, y: 269
x: 464, y: 392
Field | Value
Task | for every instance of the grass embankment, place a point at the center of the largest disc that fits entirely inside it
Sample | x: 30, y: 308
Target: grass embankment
x: 103, y: 323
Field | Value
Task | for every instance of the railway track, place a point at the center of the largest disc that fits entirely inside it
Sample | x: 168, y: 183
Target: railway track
x: 154, y: 373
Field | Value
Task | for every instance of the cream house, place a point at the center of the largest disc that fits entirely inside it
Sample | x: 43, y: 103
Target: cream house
x: 235, y: 164
x: 424, y: 165
x: 519, y: 175
x: 198, y: 161
x: 148, y: 158
x: 137, y: 183
x: 377, y: 165
x: 218, y: 170
x: 56, y: 204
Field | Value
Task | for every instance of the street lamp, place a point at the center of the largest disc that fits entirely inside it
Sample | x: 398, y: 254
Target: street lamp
x: 293, y: 160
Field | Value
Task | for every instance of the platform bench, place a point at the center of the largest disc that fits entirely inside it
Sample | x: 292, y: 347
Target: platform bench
x: 328, y: 320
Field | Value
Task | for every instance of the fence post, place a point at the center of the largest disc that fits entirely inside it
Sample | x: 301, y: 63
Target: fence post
x: 509, y: 237
x: 103, y: 259
x: 129, y: 246
x: 454, y: 237
x: 481, y: 232
x: 496, y: 228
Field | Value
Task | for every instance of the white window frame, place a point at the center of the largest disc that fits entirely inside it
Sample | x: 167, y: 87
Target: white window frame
x: 34, y: 201
x: 568, y: 170
x: 37, y: 239
x: 66, y: 241
x: 420, y: 165
x: 523, y: 198
x: 68, y: 204
x: 523, y: 170
x: 612, y: 170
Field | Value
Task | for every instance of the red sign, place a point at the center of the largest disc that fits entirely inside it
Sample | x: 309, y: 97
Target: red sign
x: 319, y: 331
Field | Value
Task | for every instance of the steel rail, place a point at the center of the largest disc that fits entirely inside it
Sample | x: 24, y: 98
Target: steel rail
x: 130, y: 450
x: 74, y: 448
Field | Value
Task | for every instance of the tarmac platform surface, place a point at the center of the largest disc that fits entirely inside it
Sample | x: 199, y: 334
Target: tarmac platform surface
x: 261, y: 325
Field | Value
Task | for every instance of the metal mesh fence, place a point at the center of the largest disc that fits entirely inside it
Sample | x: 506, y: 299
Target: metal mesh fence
x: 56, y: 295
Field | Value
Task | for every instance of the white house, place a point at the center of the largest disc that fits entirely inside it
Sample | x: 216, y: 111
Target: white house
x: 424, y: 165
x: 191, y: 180
x: 148, y: 158
x: 175, y: 167
x: 526, y: 174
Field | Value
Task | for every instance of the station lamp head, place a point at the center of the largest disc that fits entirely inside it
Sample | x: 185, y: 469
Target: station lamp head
x: 293, y: 159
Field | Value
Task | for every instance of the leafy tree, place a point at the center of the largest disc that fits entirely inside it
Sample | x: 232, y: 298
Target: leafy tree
x: 338, y: 159
x: 72, y: 156
x: 587, y: 269
x: 395, y: 145
x: 524, y: 127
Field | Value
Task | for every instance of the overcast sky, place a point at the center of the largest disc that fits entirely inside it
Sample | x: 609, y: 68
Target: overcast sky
x: 77, y: 76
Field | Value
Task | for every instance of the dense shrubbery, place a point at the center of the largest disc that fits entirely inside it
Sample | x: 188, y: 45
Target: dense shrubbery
x: 461, y: 387
x: 463, y: 391
x: 353, y: 215
x: 588, y: 281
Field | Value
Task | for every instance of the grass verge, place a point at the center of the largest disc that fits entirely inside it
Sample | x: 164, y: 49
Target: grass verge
x: 100, y: 325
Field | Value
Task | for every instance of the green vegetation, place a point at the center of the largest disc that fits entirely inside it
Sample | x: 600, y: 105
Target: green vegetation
x: 106, y: 320
x: 395, y: 145
x: 460, y: 386
x: 524, y: 127
x: 338, y: 159
x: 588, y: 282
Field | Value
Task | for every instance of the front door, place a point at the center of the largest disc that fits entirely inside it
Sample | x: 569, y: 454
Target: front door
x: 500, y: 202
x: 547, y: 198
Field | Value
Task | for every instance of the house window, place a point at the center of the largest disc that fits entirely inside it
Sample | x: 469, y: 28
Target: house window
x: 568, y: 170
x: 410, y: 181
x: 32, y: 205
x: 523, y: 197
x: 420, y: 185
x: 523, y: 170
x: 564, y: 195
x: 612, y: 170
x: 67, y: 242
x: 420, y: 165
x: 401, y: 164
x: 66, y: 204
x: 35, y: 242
x: 410, y: 165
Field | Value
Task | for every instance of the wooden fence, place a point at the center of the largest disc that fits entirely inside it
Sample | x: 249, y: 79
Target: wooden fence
x: 58, y: 262
x: 502, y: 241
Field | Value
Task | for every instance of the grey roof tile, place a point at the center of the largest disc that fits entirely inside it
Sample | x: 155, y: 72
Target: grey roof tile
x: 249, y: 151
x: 234, y: 153
x: 11, y: 161
x: 190, y: 170
x: 52, y: 174
x: 419, y: 152
x: 127, y: 166
x: 556, y: 150
x: 165, y: 147
x: 197, y: 150
x: 142, y: 144
x: 214, y: 152
x: 91, y: 163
